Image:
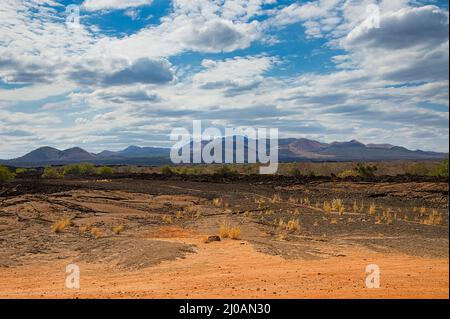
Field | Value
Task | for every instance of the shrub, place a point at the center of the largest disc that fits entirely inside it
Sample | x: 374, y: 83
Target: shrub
x: 83, y: 228
x: 441, y: 170
x: 327, y: 207
x: 293, y: 225
x: 366, y: 170
x: 118, y: 229
x: 52, y: 173
x: 337, y: 204
x: 6, y: 175
x: 104, y: 170
x: 372, y: 209
x: 295, y: 172
x: 227, y: 231
x: 96, y: 232
x: 21, y: 170
x: 435, y: 218
x: 79, y: 169
x: 348, y: 173
x: 167, y: 170
x: 217, y: 202
x: 167, y: 219
x: 61, y: 225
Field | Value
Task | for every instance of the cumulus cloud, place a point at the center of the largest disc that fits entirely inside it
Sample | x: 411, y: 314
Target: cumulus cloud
x: 425, y: 27
x: 144, y: 70
x: 95, y: 5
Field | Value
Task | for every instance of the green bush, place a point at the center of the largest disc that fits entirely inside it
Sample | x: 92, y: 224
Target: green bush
x: 21, y: 170
x: 348, y: 173
x: 104, y: 170
x: 167, y: 170
x: 366, y: 170
x: 441, y: 170
x: 52, y: 173
x: 295, y: 172
x: 79, y: 169
x: 6, y: 175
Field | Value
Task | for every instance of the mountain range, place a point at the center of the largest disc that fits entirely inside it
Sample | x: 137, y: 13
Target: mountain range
x: 290, y: 149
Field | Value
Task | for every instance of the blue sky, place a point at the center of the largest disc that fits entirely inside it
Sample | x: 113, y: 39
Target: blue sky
x: 135, y: 69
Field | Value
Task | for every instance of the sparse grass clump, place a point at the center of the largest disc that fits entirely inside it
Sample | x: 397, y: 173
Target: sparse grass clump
x: 6, y: 175
x: 167, y: 219
x: 293, y: 225
x: 338, y: 205
x: 372, y: 209
x: 118, y: 229
x: 355, y: 207
x: 167, y: 170
x: 327, y: 207
x: 217, y: 202
x: 348, y: 173
x: 61, y: 225
x: 96, y: 232
x: 306, y: 201
x: 434, y: 218
x: 228, y: 231
x: 83, y: 229
x: 295, y: 172
x: 276, y: 199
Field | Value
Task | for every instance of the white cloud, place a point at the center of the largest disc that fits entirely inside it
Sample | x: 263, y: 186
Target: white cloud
x: 96, y: 5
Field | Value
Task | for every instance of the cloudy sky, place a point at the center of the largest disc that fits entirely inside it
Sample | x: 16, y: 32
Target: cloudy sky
x: 135, y: 69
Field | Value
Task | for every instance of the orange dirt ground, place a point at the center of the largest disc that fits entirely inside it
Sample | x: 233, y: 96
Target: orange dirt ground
x: 234, y: 269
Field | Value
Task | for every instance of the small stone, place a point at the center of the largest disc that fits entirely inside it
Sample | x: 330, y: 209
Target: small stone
x: 213, y: 238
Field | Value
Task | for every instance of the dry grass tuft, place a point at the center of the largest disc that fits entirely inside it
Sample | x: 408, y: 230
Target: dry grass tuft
x: 327, y: 207
x: 83, y: 228
x: 435, y: 218
x: 306, y: 201
x: 276, y: 199
x: 422, y: 211
x: 372, y: 209
x: 217, y: 202
x: 118, y: 229
x: 337, y: 205
x: 61, y: 225
x: 96, y: 232
x: 293, y: 225
x: 167, y: 219
x: 260, y: 200
x: 228, y: 231
x: 355, y: 207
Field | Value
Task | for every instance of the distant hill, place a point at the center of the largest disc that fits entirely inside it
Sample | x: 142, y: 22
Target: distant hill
x: 290, y: 149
